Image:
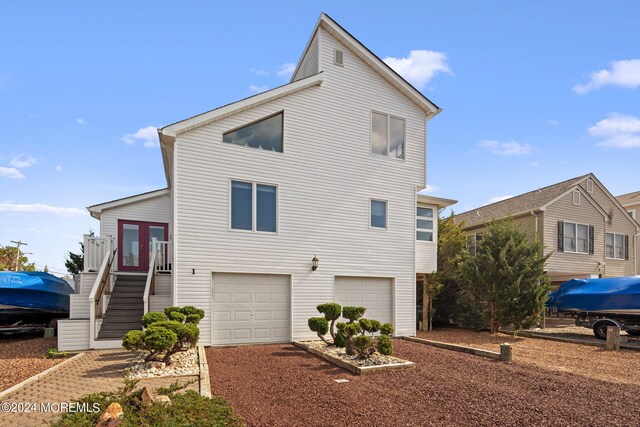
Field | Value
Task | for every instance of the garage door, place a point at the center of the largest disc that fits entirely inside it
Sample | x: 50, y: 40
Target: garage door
x: 372, y: 292
x: 250, y: 308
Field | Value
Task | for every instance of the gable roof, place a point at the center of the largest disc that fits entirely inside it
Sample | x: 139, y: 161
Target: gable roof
x: 378, y: 65
x: 96, y: 210
x: 629, y: 198
x: 526, y: 202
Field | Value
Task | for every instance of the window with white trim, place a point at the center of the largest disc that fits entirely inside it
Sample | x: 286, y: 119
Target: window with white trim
x: 576, y: 238
x: 254, y: 206
x: 378, y: 214
x: 615, y: 246
x: 424, y: 224
x: 387, y: 135
x: 576, y: 197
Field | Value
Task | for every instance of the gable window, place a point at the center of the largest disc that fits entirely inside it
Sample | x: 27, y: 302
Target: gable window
x: 616, y: 246
x: 424, y: 224
x: 576, y: 197
x: 247, y: 195
x: 387, y: 135
x: 265, y: 134
x: 576, y: 238
x: 589, y: 185
x: 378, y: 213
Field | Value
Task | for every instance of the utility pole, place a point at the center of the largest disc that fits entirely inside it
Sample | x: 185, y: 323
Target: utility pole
x: 18, y: 244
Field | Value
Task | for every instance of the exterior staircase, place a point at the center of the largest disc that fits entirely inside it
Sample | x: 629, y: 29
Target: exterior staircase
x: 125, y: 309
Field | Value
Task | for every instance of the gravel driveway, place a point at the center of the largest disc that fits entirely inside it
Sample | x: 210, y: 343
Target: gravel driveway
x: 21, y: 358
x: 281, y: 385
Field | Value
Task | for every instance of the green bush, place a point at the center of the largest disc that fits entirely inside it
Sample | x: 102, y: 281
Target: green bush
x: 177, y: 316
x: 133, y: 340
x: 169, y: 310
x: 331, y: 311
x: 369, y: 325
x: 320, y: 326
x: 188, y: 310
x: 353, y: 313
x: 194, y: 319
x: 385, y: 346
x: 362, y: 345
x: 159, y: 339
x: 152, y: 317
x: 340, y: 340
x: 386, y: 329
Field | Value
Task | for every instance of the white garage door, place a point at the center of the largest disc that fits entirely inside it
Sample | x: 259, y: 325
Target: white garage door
x: 372, y: 292
x: 250, y: 308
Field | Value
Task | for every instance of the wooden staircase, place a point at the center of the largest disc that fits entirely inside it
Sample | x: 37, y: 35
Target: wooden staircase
x: 125, y: 308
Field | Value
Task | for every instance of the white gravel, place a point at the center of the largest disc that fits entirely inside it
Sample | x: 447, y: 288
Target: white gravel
x: 376, y: 359
x: 182, y: 363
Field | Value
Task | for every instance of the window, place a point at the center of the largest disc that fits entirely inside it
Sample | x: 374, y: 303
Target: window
x: 424, y: 224
x: 576, y: 197
x: 577, y: 238
x: 589, y: 185
x: 616, y: 246
x: 378, y: 214
x: 472, y: 243
x: 632, y: 213
x: 387, y: 135
x: 265, y: 134
x: 246, y: 195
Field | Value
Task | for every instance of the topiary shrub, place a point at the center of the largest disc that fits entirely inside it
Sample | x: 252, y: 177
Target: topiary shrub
x: 194, y: 319
x: 170, y: 309
x: 352, y: 314
x: 386, y: 329
x: 320, y: 326
x: 362, y: 345
x: 331, y: 311
x: 385, y: 346
x: 152, y: 317
x: 177, y: 316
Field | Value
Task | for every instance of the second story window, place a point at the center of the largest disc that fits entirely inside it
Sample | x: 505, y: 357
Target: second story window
x: 616, y: 246
x: 247, y: 195
x: 424, y: 224
x: 576, y: 238
x: 265, y: 134
x: 387, y: 135
x: 378, y: 214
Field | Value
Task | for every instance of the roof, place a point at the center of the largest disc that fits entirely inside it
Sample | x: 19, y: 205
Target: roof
x: 629, y: 199
x: 336, y: 30
x: 96, y: 210
x: 526, y: 202
x: 438, y: 201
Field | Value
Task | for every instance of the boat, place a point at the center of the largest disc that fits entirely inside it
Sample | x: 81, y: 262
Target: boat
x: 30, y: 297
x: 615, y: 295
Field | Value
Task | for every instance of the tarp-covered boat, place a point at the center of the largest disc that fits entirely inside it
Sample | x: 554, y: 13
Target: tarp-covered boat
x: 620, y: 295
x: 32, y: 296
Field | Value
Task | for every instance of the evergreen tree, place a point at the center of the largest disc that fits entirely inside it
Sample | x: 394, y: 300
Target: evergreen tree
x: 506, y: 281
x: 75, y: 262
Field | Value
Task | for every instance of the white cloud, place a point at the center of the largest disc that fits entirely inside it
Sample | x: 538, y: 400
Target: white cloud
x: 257, y: 89
x: 499, y: 198
x: 429, y: 189
x: 39, y: 208
x: 148, y: 136
x: 23, y: 161
x: 617, y: 130
x: 553, y: 122
x: 259, y: 72
x: 625, y: 74
x: 286, y: 70
x: 511, y: 148
x: 420, y: 66
x: 11, y: 173
x: 81, y: 121
x: 58, y: 168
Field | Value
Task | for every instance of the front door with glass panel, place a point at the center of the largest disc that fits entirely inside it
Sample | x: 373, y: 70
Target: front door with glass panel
x: 134, y: 243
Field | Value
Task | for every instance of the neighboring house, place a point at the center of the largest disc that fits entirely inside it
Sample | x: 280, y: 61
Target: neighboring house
x: 585, y: 228
x: 631, y: 203
x: 296, y: 196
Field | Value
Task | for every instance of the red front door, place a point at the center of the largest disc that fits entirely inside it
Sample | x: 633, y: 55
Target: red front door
x: 134, y: 240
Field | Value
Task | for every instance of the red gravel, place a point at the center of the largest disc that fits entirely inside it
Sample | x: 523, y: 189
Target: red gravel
x: 282, y: 385
x: 21, y: 358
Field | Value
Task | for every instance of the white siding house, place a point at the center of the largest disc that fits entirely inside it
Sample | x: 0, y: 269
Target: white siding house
x: 337, y: 184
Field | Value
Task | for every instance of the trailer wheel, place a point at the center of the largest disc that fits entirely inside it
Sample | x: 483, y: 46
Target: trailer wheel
x: 600, y: 328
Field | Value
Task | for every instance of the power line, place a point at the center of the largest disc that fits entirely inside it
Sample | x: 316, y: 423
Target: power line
x: 18, y: 244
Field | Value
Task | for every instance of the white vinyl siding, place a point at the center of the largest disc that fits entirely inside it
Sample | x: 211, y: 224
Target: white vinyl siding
x: 73, y: 334
x: 309, y: 65
x: 323, y: 209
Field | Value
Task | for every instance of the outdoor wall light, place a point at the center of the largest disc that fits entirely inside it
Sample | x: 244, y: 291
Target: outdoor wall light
x: 314, y: 263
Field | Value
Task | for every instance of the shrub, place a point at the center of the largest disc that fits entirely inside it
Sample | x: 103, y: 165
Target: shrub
x: 386, y: 329
x: 340, y: 340
x: 168, y: 310
x: 369, y: 325
x: 353, y: 313
x: 194, y: 319
x: 177, y: 316
x: 159, y: 339
x: 133, y: 340
x: 385, y: 346
x: 152, y: 317
x: 320, y: 326
x: 188, y: 310
x: 331, y: 311
x: 362, y: 346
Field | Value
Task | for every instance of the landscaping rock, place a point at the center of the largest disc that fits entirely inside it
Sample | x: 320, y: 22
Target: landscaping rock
x: 147, y: 395
x: 163, y: 399
x: 182, y: 364
x: 113, y: 412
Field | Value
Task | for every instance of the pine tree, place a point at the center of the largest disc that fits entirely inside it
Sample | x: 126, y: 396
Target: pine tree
x: 75, y: 262
x: 506, y: 278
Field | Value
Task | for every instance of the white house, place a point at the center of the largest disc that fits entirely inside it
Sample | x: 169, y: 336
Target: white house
x: 296, y: 196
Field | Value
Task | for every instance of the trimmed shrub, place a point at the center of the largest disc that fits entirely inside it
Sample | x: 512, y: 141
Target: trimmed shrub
x: 340, y: 340
x: 194, y: 319
x: 385, y: 346
x: 369, y: 325
x: 331, y: 311
x: 159, y: 339
x: 353, y: 313
x: 133, y: 340
x: 177, y: 316
x: 188, y: 310
x: 320, y: 326
x: 362, y: 346
x: 152, y: 317
x: 386, y: 329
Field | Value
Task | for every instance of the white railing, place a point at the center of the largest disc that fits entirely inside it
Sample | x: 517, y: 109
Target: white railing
x: 95, y: 249
x: 101, y: 287
x: 158, y: 262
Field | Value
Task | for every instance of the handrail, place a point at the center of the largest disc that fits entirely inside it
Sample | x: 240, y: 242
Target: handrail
x: 151, y: 276
x: 95, y: 248
x: 103, y: 275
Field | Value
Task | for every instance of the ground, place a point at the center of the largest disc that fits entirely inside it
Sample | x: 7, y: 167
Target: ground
x: 23, y: 357
x: 282, y: 385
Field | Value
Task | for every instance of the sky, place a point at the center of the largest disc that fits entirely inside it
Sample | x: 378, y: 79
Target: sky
x: 532, y: 93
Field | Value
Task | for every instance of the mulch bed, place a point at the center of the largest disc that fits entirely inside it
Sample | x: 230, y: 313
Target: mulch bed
x: 281, y: 385
x: 23, y: 357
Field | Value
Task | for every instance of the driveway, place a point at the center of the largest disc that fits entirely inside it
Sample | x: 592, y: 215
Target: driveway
x: 282, y: 385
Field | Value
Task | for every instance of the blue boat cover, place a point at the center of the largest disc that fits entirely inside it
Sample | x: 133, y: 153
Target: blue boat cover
x: 34, y: 290
x: 611, y: 294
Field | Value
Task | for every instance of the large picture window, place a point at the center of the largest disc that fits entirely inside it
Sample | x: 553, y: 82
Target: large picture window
x: 424, y: 224
x: 265, y: 134
x: 246, y: 195
x: 387, y: 135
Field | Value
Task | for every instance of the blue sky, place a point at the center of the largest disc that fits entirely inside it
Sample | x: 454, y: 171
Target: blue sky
x: 532, y: 93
